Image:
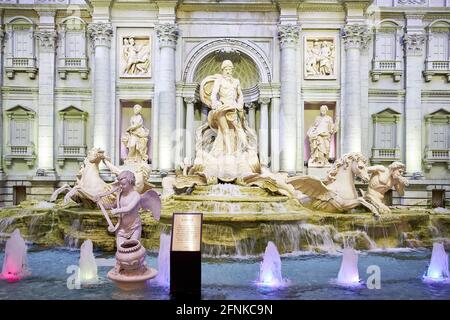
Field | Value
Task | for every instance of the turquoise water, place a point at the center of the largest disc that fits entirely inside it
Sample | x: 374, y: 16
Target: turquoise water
x: 310, y: 276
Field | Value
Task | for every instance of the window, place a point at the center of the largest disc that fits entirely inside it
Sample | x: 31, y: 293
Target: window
x: 72, y: 144
x: 385, y: 46
x: 20, y: 145
x: 438, y: 57
x: 387, y: 51
x: 385, y: 132
x: 72, y: 48
x: 437, y: 148
x: 20, y: 48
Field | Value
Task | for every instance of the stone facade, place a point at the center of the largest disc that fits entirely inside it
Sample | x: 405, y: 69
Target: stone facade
x: 72, y: 72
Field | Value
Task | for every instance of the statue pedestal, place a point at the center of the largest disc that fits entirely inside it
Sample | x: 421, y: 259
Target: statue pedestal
x: 318, y: 172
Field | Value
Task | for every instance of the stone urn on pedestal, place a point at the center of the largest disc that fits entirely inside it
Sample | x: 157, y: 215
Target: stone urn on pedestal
x: 131, y: 271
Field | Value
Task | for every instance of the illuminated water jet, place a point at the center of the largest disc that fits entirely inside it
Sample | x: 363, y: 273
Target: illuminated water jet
x: 15, y: 265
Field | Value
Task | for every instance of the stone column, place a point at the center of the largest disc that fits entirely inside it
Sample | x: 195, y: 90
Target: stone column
x: 46, y: 36
x: 204, y: 113
x: 414, y: 46
x: 179, y: 131
x: 190, y: 128
x: 263, y: 137
x: 2, y: 35
x: 288, y: 35
x: 251, y: 115
x: 100, y: 34
x: 355, y: 36
x: 275, y: 135
x: 167, y: 37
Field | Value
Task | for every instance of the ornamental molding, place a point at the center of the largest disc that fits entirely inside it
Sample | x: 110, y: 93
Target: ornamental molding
x: 167, y: 34
x: 190, y: 100
x: 288, y: 34
x: 249, y: 48
x: 47, y: 39
x: 100, y: 33
x: 356, y: 36
x: 411, y: 2
x: 387, y: 93
x: 414, y: 43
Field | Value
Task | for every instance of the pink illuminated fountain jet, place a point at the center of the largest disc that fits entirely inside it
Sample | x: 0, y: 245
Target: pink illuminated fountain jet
x: 15, y: 261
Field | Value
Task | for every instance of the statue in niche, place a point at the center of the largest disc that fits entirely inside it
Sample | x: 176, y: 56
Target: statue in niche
x: 136, y: 57
x: 319, y: 58
x: 319, y: 135
x: 226, y: 145
x: 136, y: 137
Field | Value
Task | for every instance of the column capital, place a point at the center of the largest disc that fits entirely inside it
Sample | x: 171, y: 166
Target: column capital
x: 190, y: 100
x: 288, y: 34
x: 356, y: 36
x: 167, y: 34
x: 414, y: 43
x: 100, y: 33
x: 250, y: 105
x: 47, y: 39
x: 264, y: 100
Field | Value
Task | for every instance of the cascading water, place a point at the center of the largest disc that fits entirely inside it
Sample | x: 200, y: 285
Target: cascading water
x: 15, y: 265
x: 163, y: 277
x: 225, y: 190
x: 348, y: 273
x: 270, y: 269
x: 88, y: 267
x: 438, y: 268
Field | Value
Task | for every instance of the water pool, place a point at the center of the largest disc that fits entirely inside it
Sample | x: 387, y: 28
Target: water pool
x: 310, y: 276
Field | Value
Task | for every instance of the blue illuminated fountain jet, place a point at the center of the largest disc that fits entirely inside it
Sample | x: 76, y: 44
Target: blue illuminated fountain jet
x: 438, y: 268
x: 270, y: 269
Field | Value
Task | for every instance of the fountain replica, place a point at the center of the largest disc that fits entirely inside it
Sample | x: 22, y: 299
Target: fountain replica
x: 226, y: 177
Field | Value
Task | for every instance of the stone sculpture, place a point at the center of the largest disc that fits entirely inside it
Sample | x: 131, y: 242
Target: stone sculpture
x: 382, y: 179
x: 89, y: 183
x: 319, y: 136
x: 319, y: 58
x: 136, y: 58
x: 226, y: 146
x: 131, y: 270
x: 136, y: 137
x: 337, y: 193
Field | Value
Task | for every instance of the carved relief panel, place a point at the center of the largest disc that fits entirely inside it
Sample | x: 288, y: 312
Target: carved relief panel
x: 135, y: 57
x: 320, y: 58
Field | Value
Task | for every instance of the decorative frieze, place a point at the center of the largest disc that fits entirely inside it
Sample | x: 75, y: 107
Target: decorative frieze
x: 167, y: 34
x: 356, y: 36
x: 414, y: 43
x: 288, y: 34
x: 100, y: 33
x: 47, y: 40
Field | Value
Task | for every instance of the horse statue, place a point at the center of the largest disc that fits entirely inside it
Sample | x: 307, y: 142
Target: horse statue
x: 382, y: 180
x: 88, y: 183
x: 337, y: 193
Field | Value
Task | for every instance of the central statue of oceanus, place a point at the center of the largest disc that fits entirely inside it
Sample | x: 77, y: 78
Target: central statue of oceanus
x: 226, y: 146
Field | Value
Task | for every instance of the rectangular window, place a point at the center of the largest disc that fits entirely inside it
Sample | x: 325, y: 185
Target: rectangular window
x: 22, y: 44
x: 74, y: 45
x: 439, y: 47
x: 385, y: 46
x: 19, y: 133
x: 386, y: 136
x: 439, y: 136
x: 72, y: 133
